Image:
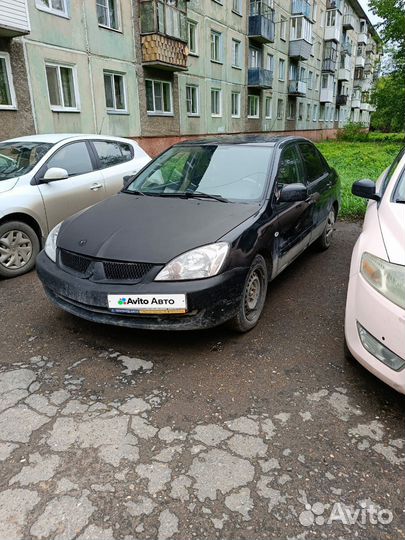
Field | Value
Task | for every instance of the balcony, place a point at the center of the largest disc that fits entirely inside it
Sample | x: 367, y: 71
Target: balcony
x: 301, y: 7
x: 362, y: 38
x: 341, y: 100
x: 261, y: 22
x: 329, y: 65
x: 365, y: 106
x: 344, y: 74
x: 368, y: 66
x: 300, y: 49
x: 326, y: 95
x: 14, y: 19
x: 260, y: 78
x: 347, y: 48
x: 360, y: 62
x: 349, y: 22
x: 332, y: 33
x: 334, y: 4
x: 297, y: 88
x: 164, y: 52
x: 356, y: 103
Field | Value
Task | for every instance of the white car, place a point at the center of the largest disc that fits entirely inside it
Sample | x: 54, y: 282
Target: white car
x: 375, y: 307
x: 47, y: 178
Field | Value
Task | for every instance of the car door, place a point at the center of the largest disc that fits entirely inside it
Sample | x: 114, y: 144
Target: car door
x: 319, y: 183
x: 116, y: 160
x: 294, y: 220
x: 84, y: 186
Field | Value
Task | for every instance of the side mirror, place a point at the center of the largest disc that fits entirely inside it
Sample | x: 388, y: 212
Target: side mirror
x: 293, y: 193
x: 54, y: 173
x: 127, y: 180
x: 366, y: 189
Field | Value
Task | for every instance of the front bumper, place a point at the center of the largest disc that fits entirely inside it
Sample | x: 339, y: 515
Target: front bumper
x: 383, y: 320
x: 210, y: 301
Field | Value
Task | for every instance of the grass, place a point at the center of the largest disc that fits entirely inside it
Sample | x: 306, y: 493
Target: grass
x: 354, y: 161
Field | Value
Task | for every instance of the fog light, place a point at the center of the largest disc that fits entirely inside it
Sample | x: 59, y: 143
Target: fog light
x: 380, y: 351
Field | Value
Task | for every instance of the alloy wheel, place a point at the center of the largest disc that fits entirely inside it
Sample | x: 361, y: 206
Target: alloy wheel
x: 15, y: 249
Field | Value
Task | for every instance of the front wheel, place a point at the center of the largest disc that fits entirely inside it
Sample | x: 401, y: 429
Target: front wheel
x: 19, y: 246
x: 325, y: 240
x: 253, y: 296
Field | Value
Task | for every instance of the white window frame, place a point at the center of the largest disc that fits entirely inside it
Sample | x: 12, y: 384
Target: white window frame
x: 156, y: 112
x: 238, y: 104
x: 315, y: 113
x: 283, y: 28
x: 194, y: 25
x: 216, y: 34
x: 236, y: 58
x: 281, y: 72
x: 256, y: 100
x: 219, y: 91
x: 63, y: 108
x: 9, y: 75
x: 196, y: 88
x: 118, y: 15
x: 114, y: 110
x: 268, y: 102
x: 310, y: 79
x: 308, y: 117
x: 270, y: 62
x: 237, y: 6
x: 59, y: 12
x: 280, y: 114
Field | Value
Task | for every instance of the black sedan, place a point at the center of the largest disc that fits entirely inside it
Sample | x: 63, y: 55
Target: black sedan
x: 194, y: 238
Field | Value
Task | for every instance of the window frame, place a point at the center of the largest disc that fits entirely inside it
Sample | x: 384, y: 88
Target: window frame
x: 235, y: 93
x: 115, y: 110
x: 156, y: 112
x: 299, y: 166
x: 213, y: 34
x: 268, y: 99
x: 219, y: 91
x: 63, y: 108
x: 256, y: 99
x: 9, y: 75
x: 238, y: 9
x: 93, y: 159
x: 117, y: 5
x: 326, y: 168
x: 99, y: 164
x: 236, y: 46
x: 192, y: 24
x: 197, y: 98
x: 59, y: 13
x: 281, y: 62
x: 283, y: 28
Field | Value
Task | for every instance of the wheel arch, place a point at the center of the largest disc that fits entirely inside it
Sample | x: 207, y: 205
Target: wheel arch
x: 28, y: 220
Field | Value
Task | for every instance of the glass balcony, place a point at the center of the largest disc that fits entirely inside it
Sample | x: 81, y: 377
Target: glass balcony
x: 329, y: 65
x: 260, y: 78
x: 347, y: 48
x: 261, y: 22
x: 301, y: 7
x: 341, y: 100
x: 14, y: 19
x: 344, y: 74
x: 349, y: 22
x: 297, y: 88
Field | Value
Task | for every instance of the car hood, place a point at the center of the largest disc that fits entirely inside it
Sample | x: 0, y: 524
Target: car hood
x: 6, y: 185
x: 392, y: 223
x: 150, y: 229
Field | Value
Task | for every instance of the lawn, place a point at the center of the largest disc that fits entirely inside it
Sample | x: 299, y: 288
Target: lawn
x: 356, y: 160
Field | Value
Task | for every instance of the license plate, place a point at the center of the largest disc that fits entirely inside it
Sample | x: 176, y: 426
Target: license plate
x: 147, y: 303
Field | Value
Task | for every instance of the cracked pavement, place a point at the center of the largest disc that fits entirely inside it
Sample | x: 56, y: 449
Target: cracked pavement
x: 110, y: 434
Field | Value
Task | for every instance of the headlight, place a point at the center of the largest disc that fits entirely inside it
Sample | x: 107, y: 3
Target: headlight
x: 386, y: 278
x: 202, y: 262
x: 50, y: 244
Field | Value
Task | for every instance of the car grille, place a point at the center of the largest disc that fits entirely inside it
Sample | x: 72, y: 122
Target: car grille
x: 75, y: 262
x: 133, y: 271
x: 112, y: 270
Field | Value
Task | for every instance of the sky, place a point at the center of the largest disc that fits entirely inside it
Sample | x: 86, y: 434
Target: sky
x: 372, y: 17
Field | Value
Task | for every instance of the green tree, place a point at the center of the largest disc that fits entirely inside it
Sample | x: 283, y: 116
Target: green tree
x: 389, y: 99
x: 392, y: 29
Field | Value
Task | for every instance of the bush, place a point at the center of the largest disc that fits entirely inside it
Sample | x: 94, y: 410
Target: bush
x: 355, y: 132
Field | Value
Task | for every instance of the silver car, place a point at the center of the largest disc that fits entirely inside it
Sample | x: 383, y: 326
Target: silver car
x: 47, y: 178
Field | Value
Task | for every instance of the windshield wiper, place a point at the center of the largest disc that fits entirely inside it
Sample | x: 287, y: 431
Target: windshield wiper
x: 400, y: 201
x: 133, y: 192
x: 201, y: 195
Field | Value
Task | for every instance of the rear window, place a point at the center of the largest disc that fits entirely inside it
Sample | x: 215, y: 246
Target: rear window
x: 113, y: 153
x: 313, y: 162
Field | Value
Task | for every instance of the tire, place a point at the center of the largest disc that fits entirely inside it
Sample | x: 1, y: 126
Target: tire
x: 19, y: 247
x: 253, y: 296
x: 324, y: 241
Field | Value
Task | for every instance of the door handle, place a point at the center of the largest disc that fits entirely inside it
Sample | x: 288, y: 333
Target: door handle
x: 95, y: 187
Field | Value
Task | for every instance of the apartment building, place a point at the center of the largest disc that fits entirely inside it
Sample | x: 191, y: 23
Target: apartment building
x: 160, y: 70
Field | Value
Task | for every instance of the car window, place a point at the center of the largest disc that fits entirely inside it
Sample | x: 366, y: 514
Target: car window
x: 289, y: 167
x: 313, y: 162
x: 399, y: 194
x: 73, y: 157
x: 18, y: 158
x: 391, y: 171
x: 113, y: 153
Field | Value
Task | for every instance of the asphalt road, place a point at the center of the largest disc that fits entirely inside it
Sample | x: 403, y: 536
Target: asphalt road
x: 110, y: 433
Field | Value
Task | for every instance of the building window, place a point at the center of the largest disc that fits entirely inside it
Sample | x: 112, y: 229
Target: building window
x: 310, y: 79
x: 255, y: 57
x: 322, y: 112
x: 315, y: 10
x: 301, y: 28
x: 280, y: 108
x: 7, y: 94
x: 158, y: 97
x: 237, y: 6
x: 57, y: 7
x: 308, y: 112
x: 236, y: 53
x: 216, y: 102
x: 301, y: 111
x: 192, y: 100
x: 235, y: 105
x: 281, y: 70
x: 331, y: 17
x: 115, y: 97
x: 270, y: 62
x: 317, y: 82
x: 216, y: 46
x: 107, y: 13
x: 283, y: 28
x: 62, y: 87
x: 253, y: 106
x: 315, y: 113
x: 291, y: 110
x: 192, y: 37
x: 267, y: 107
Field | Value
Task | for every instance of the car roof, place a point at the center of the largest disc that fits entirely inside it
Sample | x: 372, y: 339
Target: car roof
x: 260, y: 140
x: 54, y: 138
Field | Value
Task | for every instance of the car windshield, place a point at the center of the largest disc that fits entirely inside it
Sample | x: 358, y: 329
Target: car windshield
x: 18, y: 158
x: 227, y: 172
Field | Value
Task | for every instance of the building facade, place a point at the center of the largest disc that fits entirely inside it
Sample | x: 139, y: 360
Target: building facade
x: 161, y: 70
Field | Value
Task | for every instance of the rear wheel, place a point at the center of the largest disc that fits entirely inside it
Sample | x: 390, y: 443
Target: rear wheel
x: 253, y: 297
x: 19, y: 246
x: 325, y: 240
